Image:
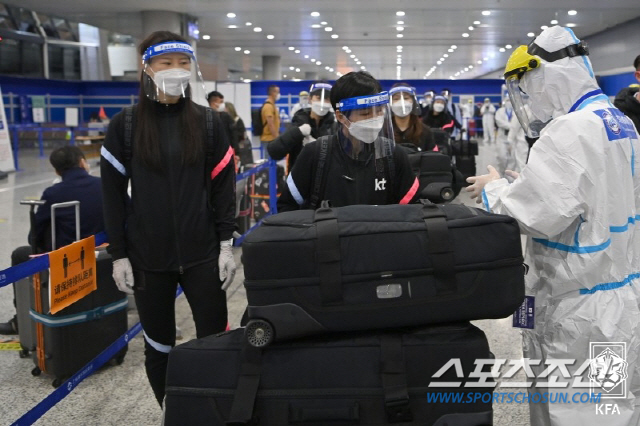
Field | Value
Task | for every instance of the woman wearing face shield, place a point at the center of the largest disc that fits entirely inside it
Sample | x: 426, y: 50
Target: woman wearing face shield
x: 439, y: 117
x: 359, y: 164
x: 308, y: 124
x: 176, y: 227
x: 408, y: 129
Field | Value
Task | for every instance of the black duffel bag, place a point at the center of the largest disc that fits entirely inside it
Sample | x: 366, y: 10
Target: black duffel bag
x: 356, y: 379
x: 375, y: 267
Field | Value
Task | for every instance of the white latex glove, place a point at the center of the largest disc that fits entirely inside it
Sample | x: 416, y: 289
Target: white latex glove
x: 513, y: 175
x: 305, y: 129
x: 307, y: 139
x: 479, y: 182
x: 226, y: 264
x: 123, y: 275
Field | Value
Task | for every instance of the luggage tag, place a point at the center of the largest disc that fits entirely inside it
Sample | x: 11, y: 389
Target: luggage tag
x: 524, y: 316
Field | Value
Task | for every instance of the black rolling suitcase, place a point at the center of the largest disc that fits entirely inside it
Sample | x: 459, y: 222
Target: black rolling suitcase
x: 375, y: 267
x: 435, y: 175
x: 63, y: 343
x: 465, y: 152
x: 370, y: 378
x: 245, y: 151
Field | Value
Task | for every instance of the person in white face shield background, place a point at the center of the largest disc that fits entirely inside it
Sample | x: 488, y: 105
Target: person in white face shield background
x: 307, y: 125
x: 427, y: 100
x: 360, y: 163
x: 177, y: 225
x: 578, y: 202
x: 504, y: 119
x: 407, y: 126
x: 488, y: 112
x: 456, y: 113
x: 303, y: 103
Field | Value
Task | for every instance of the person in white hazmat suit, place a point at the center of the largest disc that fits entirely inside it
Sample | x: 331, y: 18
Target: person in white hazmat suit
x: 504, y: 119
x: 578, y: 202
x: 519, y: 145
x: 488, y: 112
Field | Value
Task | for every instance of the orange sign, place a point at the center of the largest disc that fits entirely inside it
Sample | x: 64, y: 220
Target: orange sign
x: 72, y: 273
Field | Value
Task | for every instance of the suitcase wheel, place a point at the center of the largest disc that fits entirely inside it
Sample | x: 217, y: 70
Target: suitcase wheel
x: 36, y: 371
x: 56, y: 382
x: 447, y: 194
x: 117, y: 360
x: 259, y: 333
x: 24, y: 353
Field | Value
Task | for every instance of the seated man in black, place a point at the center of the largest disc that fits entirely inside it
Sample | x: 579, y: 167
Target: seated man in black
x: 358, y: 164
x: 76, y: 185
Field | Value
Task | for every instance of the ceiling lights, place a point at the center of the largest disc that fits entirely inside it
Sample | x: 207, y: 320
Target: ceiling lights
x: 572, y: 12
x: 315, y: 14
x: 401, y: 13
x: 231, y: 15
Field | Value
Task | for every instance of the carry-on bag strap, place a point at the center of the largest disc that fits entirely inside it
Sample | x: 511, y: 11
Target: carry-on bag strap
x: 128, y: 136
x: 394, y: 379
x: 323, y: 148
x: 328, y: 255
x: 440, y: 248
x: 248, y: 382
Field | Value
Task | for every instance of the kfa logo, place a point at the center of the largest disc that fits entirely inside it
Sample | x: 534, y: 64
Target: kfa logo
x: 611, y: 123
x: 380, y: 184
x: 608, y: 368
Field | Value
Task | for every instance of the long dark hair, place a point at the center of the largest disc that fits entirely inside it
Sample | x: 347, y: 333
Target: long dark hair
x: 414, y: 131
x: 146, y: 129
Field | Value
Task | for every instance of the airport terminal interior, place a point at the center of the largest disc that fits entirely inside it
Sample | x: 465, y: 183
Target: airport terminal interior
x: 68, y: 67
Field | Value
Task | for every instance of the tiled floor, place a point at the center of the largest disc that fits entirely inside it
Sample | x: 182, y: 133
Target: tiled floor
x: 120, y: 395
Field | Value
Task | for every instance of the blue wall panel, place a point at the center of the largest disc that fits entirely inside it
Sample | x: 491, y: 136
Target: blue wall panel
x: 612, y: 84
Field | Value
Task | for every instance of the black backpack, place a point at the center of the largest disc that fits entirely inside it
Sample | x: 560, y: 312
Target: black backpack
x: 322, y: 155
x: 257, y: 125
x: 128, y: 137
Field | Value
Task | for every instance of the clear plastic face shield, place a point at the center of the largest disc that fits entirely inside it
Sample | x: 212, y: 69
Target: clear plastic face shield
x: 520, y: 102
x: 366, y: 123
x: 428, y: 97
x: 403, y: 101
x: 304, y: 99
x: 320, y: 98
x: 170, y: 71
x: 446, y: 93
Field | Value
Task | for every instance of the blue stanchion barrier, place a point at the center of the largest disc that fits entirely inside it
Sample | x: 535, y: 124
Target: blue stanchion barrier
x: 15, y: 128
x: 273, y: 196
x: 30, y: 267
x: 65, y: 389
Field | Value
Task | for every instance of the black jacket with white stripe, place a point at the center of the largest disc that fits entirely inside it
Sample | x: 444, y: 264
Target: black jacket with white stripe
x: 174, y: 219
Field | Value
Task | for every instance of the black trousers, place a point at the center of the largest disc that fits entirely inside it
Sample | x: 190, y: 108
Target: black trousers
x: 155, y: 298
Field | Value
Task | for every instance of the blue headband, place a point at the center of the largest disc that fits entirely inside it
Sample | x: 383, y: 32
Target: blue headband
x: 361, y: 102
x: 168, y: 47
x: 402, y: 89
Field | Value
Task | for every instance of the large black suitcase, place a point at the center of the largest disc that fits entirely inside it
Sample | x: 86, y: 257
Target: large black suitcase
x: 435, y: 175
x: 95, y: 321
x: 373, y: 267
x: 365, y: 378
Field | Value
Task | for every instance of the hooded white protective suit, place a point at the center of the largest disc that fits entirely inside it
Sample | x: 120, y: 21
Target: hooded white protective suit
x: 488, y: 112
x: 504, y: 120
x: 578, y: 201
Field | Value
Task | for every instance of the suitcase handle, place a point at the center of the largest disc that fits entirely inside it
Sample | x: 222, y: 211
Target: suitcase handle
x: 302, y: 415
x: 328, y: 255
x: 56, y: 206
x: 440, y: 248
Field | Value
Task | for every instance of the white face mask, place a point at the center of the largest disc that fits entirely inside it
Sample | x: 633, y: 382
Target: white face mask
x: 277, y: 97
x: 221, y: 107
x: 367, y: 130
x: 304, y: 100
x: 397, y: 108
x: 173, y: 81
x: 438, y: 107
x: 320, y: 108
